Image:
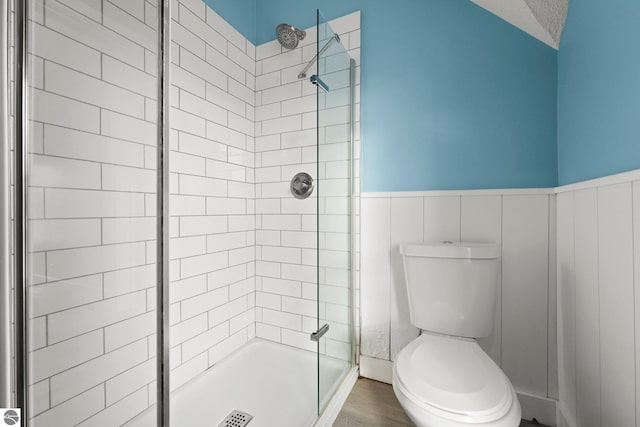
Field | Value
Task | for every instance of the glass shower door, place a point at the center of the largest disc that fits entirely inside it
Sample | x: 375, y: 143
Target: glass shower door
x: 334, y: 191
x: 91, y: 222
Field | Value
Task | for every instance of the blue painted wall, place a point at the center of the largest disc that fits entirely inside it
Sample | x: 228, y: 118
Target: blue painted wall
x: 452, y: 96
x: 241, y: 14
x: 599, y: 90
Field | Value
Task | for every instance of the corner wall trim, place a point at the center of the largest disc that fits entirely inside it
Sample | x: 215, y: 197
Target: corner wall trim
x: 445, y: 193
x: 376, y: 369
x: 618, y: 178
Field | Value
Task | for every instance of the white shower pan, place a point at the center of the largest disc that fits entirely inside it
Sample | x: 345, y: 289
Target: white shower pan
x: 275, y: 383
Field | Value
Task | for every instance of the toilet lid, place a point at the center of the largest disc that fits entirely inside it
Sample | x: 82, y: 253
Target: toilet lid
x: 454, y: 375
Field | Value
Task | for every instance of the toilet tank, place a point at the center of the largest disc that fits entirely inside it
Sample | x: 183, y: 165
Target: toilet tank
x: 452, y: 286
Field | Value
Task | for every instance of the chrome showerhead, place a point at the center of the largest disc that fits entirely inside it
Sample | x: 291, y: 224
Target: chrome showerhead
x: 289, y: 36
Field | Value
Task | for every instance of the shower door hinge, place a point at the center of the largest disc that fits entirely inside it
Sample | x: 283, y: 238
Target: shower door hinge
x: 316, y: 80
x: 315, y: 336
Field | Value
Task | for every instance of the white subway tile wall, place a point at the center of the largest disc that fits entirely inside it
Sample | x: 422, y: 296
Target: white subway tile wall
x: 599, y: 303
x: 243, y: 255
x: 287, y: 298
x: 518, y: 223
x: 92, y: 216
x: 212, y: 288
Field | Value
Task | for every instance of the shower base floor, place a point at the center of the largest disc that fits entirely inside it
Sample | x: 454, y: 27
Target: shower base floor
x: 274, y: 383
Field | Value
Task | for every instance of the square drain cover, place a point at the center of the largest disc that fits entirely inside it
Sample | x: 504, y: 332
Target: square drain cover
x: 236, y: 419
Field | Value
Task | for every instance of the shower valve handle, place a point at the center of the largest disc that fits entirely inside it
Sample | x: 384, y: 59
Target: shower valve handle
x: 301, y: 185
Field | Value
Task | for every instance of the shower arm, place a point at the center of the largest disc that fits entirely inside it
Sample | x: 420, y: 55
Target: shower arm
x: 303, y: 73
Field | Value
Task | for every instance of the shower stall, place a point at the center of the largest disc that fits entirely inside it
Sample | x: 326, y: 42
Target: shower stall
x: 179, y: 216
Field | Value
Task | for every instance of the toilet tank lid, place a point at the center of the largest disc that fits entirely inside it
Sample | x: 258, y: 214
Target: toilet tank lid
x: 450, y: 249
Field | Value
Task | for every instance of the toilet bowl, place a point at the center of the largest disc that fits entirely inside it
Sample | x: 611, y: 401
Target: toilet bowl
x: 444, y: 381
x: 443, y: 378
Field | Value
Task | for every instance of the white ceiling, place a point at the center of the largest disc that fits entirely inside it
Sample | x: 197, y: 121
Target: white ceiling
x: 542, y: 19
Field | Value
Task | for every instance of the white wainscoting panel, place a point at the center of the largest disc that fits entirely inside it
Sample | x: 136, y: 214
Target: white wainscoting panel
x: 441, y: 218
x: 616, y: 305
x: 587, y: 310
x: 598, y: 309
x: 519, y: 223
x: 481, y: 221
x: 525, y: 261
x: 406, y: 227
x: 552, y: 327
x: 375, y: 289
x: 566, y: 310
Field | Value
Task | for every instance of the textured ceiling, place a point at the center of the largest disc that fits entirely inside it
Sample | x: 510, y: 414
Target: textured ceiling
x: 543, y: 19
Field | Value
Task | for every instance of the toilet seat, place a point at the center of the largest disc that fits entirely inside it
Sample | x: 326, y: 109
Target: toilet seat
x: 453, y: 378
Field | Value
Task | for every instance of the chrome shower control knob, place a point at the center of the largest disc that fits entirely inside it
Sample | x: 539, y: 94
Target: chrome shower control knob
x: 301, y: 185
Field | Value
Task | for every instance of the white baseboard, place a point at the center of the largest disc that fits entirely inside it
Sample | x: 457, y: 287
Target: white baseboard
x: 541, y: 408
x: 337, y: 402
x: 376, y: 369
x: 564, y: 418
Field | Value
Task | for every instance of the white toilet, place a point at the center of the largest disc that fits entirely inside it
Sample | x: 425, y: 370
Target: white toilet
x: 443, y: 378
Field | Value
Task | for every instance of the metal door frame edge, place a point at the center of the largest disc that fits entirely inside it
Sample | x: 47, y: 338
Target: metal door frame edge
x: 6, y: 277
x: 21, y: 150
x: 162, y: 264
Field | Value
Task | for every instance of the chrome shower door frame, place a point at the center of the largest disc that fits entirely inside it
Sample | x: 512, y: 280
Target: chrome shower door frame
x: 20, y: 152
x: 14, y: 373
x: 6, y: 340
x: 163, y: 349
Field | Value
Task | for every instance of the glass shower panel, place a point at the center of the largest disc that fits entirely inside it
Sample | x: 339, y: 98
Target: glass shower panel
x: 334, y: 211
x: 92, y: 142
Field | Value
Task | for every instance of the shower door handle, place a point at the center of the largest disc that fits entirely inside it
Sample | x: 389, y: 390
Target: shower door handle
x: 315, y: 336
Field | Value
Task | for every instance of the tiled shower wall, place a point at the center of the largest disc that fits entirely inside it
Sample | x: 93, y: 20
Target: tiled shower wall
x: 92, y: 211
x: 522, y: 223
x: 212, y: 247
x: 217, y: 140
x: 286, y: 255
x: 93, y: 204
x: 599, y: 302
